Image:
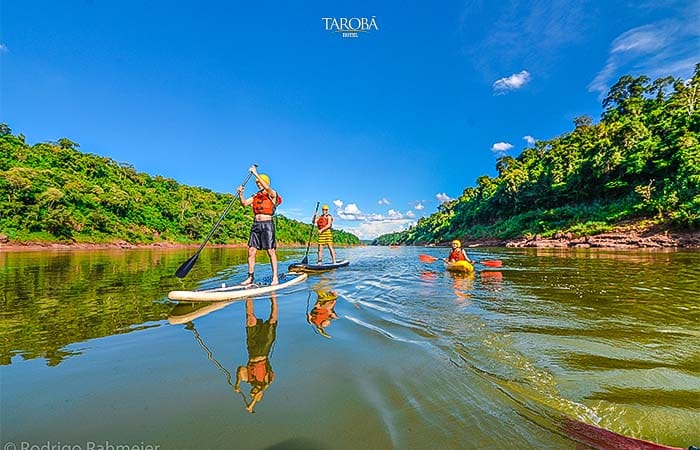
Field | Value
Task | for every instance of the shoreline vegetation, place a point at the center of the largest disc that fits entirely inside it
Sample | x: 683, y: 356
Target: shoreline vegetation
x: 631, y: 180
x: 52, y: 194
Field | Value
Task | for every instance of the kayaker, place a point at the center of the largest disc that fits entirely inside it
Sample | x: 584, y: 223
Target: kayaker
x: 262, y: 233
x: 325, y: 235
x: 260, y: 335
x: 458, y: 253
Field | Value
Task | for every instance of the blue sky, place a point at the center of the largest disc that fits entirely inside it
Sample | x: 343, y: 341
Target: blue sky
x: 382, y: 127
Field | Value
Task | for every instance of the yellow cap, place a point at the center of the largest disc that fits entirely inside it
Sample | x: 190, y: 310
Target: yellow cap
x: 325, y: 296
x: 265, y: 178
x: 459, y: 244
x: 324, y: 207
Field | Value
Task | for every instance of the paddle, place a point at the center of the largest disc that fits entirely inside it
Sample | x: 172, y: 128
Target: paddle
x: 185, y: 268
x: 432, y: 259
x: 313, y: 224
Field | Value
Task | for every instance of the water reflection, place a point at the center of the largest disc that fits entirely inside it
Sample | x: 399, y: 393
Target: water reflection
x: 50, y: 300
x: 260, y: 337
x: 462, y: 286
x: 583, y: 337
x: 187, y: 312
x: 428, y: 275
x: 323, y: 312
x: 492, y: 279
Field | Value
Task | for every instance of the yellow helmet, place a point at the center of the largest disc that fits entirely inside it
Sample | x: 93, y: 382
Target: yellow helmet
x: 324, y: 207
x: 265, y: 178
x: 459, y: 244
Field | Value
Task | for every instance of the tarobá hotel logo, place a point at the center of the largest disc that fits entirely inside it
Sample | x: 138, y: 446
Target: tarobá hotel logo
x: 350, y: 27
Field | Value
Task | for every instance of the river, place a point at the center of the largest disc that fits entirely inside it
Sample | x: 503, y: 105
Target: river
x: 389, y: 352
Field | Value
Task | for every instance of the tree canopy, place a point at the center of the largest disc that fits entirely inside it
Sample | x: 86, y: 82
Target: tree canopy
x: 640, y: 162
x: 53, y: 192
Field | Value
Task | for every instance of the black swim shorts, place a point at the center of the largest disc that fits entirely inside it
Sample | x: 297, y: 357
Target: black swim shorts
x: 262, y: 235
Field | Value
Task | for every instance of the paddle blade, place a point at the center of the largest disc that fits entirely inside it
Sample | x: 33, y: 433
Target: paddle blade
x: 427, y: 258
x: 185, y: 268
x: 492, y: 263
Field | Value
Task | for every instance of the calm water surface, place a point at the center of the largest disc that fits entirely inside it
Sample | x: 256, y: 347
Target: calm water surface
x: 387, y: 353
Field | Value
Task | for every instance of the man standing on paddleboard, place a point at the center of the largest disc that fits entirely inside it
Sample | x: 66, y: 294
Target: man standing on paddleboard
x: 325, y: 235
x: 262, y: 233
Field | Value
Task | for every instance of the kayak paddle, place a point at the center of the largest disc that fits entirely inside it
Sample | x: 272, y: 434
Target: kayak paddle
x: 313, y: 224
x: 185, y: 268
x: 489, y: 263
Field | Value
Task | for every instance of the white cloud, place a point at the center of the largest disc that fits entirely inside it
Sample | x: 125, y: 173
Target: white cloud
x: 383, y: 201
x: 352, y: 209
x: 370, y: 225
x: 501, y: 147
x: 529, y: 139
x: 642, y: 39
x: 370, y: 230
x: 410, y: 214
x: 420, y: 206
x: 353, y: 212
x: 350, y: 212
x: 656, y: 50
x: 511, y: 83
x: 442, y: 197
x: 338, y: 203
x: 3, y: 48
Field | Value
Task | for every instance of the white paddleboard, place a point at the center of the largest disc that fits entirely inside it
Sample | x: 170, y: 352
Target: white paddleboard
x: 237, y: 291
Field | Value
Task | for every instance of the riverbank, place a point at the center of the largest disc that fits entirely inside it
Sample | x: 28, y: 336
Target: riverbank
x: 633, y: 236
x: 120, y: 245
x: 116, y: 245
x: 624, y: 237
x: 615, y: 240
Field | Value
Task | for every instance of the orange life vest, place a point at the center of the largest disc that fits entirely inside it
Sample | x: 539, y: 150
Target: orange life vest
x: 322, y: 221
x: 263, y: 205
x: 457, y: 255
x: 318, y: 315
x: 258, y: 371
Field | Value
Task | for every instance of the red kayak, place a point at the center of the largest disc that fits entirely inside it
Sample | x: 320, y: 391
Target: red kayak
x: 602, y: 439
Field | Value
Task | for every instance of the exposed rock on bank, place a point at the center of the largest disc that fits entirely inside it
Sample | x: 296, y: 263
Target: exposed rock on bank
x: 621, y: 240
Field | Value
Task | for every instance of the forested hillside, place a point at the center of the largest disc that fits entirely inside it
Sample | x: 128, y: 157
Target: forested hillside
x: 52, y: 192
x: 641, y: 162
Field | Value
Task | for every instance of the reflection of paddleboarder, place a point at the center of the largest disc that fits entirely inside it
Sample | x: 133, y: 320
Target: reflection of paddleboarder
x: 323, y: 311
x: 260, y: 336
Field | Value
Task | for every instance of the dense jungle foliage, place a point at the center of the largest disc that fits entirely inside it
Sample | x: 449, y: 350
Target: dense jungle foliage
x: 52, y: 192
x: 641, y: 162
